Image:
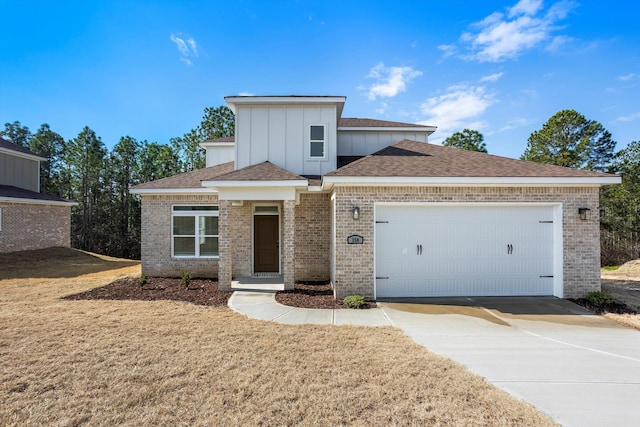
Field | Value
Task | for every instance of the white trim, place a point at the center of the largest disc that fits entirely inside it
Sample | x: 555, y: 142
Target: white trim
x: 23, y: 155
x: 558, y: 242
x: 195, y: 214
x: 36, y: 201
x: 253, y: 234
x: 216, y: 144
x: 429, y: 129
x: 325, y: 142
x: 169, y: 191
x: 472, y: 181
x: 257, y: 193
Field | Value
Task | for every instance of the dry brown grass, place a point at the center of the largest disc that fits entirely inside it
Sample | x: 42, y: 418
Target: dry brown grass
x: 170, y: 363
x: 631, y: 320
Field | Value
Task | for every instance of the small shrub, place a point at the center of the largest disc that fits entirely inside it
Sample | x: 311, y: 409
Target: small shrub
x: 610, y: 267
x: 186, y: 278
x: 143, y: 280
x: 599, y: 298
x: 354, y: 301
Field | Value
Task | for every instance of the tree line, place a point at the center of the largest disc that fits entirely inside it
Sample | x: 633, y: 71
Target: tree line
x: 570, y: 139
x: 107, y: 218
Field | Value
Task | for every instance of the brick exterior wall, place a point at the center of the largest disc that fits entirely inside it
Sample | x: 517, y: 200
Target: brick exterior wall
x: 313, y: 237
x: 27, y: 226
x: 156, y: 238
x: 354, y: 264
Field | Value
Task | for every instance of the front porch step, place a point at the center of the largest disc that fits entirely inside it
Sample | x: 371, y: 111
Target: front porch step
x: 270, y: 282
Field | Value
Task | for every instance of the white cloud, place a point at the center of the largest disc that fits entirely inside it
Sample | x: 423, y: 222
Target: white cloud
x: 187, y: 46
x: 448, y: 49
x: 515, y: 123
x: 526, y: 25
x: 525, y: 7
x: 246, y: 94
x: 390, y: 81
x: 492, y: 77
x: 627, y: 77
x: 460, y: 107
x: 631, y: 117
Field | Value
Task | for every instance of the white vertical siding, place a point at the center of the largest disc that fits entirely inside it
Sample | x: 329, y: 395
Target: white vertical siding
x: 362, y: 143
x: 280, y: 135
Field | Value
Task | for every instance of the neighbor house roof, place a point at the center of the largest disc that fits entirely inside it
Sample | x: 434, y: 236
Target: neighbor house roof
x: 187, y: 180
x: 9, y: 193
x: 6, y: 145
x: 418, y: 159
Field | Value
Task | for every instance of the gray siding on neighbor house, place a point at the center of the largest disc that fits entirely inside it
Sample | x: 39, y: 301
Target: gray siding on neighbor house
x: 19, y: 172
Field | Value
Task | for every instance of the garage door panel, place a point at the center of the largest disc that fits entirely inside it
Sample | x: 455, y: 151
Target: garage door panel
x: 466, y: 250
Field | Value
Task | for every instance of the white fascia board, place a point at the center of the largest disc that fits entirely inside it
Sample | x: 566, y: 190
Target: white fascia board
x: 253, y: 184
x: 36, y: 201
x: 21, y: 154
x: 173, y: 191
x: 472, y: 181
x: 216, y: 144
x: 232, y: 101
x: 254, y: 193
x: 428, y: 130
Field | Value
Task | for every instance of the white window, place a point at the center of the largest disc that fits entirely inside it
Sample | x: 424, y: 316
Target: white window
x: 317, y: 139
x: 195, y: 232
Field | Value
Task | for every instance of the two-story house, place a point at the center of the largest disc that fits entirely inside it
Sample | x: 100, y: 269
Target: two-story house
x: 29, y: 219
x: 303, y: 194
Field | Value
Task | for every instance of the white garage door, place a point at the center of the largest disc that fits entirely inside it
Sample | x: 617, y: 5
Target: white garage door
x: 463, y: 250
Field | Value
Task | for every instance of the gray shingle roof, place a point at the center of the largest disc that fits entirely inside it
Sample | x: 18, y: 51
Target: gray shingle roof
x: 21, y: 193
x: 356, y: 122
x: 265, y: 171
x: 418, y: 159
x: 186, y: 180
x: 11, y: 146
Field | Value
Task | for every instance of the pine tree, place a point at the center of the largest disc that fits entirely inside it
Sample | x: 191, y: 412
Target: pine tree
x: 468, y: 139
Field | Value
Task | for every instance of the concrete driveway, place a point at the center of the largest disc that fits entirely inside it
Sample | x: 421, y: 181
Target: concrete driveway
x: 580, y: 369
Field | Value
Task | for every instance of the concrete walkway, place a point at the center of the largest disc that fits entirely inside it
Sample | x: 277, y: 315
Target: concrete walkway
x: 578, y: 368
x: 263, y: 305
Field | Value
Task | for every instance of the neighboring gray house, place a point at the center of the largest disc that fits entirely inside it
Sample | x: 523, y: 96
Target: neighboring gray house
x: 302, y: 193
x: 28, y: 218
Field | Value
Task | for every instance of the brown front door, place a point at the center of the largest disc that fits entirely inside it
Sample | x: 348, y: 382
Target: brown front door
x: 266, y: 258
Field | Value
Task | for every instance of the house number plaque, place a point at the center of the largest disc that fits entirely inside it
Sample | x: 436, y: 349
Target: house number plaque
x: 354, y: 239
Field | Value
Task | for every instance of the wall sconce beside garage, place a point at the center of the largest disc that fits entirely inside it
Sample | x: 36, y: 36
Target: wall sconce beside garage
x: 355, y: 212
x: 585, y: 214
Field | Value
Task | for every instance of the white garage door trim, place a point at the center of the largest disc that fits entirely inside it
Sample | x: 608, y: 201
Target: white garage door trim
x: 557, y: 234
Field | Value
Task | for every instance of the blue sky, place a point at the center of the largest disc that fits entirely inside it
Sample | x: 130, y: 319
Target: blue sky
x: 148, y: 69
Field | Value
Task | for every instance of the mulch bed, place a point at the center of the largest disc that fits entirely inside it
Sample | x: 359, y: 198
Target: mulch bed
x: 313, y: 295
x: 615, y: 307
x: 205, y: 292
x: 200, y: 291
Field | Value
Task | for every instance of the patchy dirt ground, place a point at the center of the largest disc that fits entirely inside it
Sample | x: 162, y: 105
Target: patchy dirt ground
x: 624, y: 283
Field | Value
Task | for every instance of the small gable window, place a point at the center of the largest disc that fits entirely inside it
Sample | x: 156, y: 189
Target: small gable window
x: 317, y: 139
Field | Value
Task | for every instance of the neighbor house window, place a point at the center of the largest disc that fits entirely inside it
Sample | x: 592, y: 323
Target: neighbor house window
x: 195, y: 231
x: 317, y: 140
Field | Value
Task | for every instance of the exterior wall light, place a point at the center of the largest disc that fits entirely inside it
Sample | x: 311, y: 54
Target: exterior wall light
x: 585, y: 214
x: 356, y: 212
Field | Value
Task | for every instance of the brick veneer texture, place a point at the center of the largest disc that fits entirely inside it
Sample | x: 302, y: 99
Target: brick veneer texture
x: 27, y: 226
x: 156, y: 238
x: 354, y: 264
